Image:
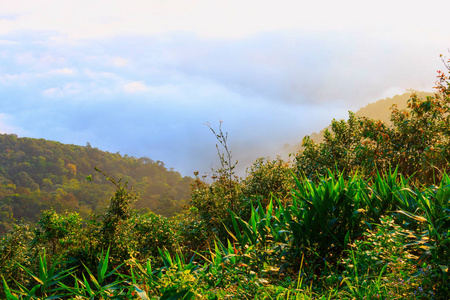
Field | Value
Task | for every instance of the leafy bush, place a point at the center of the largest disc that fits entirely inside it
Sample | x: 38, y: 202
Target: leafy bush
x: 143, y: 235
x: 14, y: 249
x: 268, y: 179
x: 57, y: 232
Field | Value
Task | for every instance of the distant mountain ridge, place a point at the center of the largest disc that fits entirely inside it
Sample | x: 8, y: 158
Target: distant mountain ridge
x: 37, y: 174
x: 379, y: 110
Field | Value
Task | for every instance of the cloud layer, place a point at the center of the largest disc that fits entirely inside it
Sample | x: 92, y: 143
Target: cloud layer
x: 114, y: 81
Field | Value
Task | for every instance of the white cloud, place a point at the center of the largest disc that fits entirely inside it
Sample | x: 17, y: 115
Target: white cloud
x: 223, y: 19
x: 135, y: 87
x: 51, y: 92
x: 101, y: 75
x: 25, y: 78
x: 21, y: 79
x: 25, y: 58
x: 120, y: 61
x: 68, y: 89
x: 63, y: 71
x: 8, y: 42
x: 272, y: 71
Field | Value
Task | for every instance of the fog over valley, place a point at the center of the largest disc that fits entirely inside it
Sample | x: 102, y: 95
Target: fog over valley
x: 141, y: 78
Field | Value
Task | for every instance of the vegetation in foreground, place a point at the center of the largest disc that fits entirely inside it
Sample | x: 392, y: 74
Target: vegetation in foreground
x: 339, y: 238
x: 377, y: 226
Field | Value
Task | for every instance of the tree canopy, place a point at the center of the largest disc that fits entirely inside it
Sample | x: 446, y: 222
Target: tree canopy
x: 37, y: 174
x: 416, y: 141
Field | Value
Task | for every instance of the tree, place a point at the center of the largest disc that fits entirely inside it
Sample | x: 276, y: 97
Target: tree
x: 417, y: 141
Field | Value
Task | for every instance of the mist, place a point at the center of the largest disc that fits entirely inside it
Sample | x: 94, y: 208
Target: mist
x: 149, y: 91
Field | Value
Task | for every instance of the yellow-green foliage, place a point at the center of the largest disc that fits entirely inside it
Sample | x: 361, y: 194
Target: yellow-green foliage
x: 36, y: 175
x: 416, y: 141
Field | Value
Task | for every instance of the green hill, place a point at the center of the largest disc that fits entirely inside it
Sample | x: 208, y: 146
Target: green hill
x: 37, y: 174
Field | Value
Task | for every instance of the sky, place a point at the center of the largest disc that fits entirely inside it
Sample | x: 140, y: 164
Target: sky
x: 142, y: 77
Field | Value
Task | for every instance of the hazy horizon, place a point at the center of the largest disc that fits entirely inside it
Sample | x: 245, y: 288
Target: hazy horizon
x: 142, y: 77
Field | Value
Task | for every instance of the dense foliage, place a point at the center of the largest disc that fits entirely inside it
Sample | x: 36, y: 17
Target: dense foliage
x: 363, y: 215
x: 339, y: 238
x: 416, y: 141
x: 36, y: 174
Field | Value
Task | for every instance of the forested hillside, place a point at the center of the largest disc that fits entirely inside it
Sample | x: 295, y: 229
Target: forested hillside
x: 37, y: 174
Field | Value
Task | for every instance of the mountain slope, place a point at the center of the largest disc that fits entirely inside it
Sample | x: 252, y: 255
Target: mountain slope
x: 37, y: 174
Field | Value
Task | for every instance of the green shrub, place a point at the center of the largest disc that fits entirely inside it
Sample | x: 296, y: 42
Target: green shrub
x: 142, y: 236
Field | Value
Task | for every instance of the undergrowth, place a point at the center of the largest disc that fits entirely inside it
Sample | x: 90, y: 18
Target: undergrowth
x: 337, y: 239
